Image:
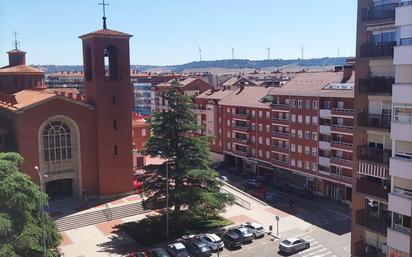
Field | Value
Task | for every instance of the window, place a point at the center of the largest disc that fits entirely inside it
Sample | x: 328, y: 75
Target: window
x: 300, y: 134
x: 307, y: 134
x: 293, y: 118
x: 260, y: 153
x: 292, y: 147
x: 300, y: 103
x: 293, y: 103
x: 253, y: 139
x: 307, y: 104
x: 299, y: 149
x: 220, y: 119
x: 314, y: 166
x: 260, y: 127
x: 260, y: 140
x: 111, y: 64
x: 299, y: 164
x: 267, y: 155
x: 314, y: 136
x: 315, y: 105
x: 228, y: 122
x: 293, y: 132
x: 314, y: 151
x: 57, y: 141
x: 307, y: 150
x: 307, y: 165
x: 307, y: 119
x: 300, y: 118
x: 260, y: 114
x: 115, y: 124
x: 267, y: 128
x: 228, y: 110
x: 292, y: 162
x: 88, y: 71
x: 267, y: 141
x: 228, y: 134
x: 228, y: 145
x: 267, y: 115
x: 253, y: 113
x: 115, y: 150
x: 253, y: 151
x: 314, y: 120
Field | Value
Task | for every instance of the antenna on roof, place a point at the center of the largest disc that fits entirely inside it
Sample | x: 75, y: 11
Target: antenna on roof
x: 104, y: 13
x: 268, y: 49
x: 200, y: 54
x: 233, y: 53
x: 16, y: 43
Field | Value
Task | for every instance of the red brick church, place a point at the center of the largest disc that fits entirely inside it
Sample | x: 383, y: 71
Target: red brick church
x: 80, y: 144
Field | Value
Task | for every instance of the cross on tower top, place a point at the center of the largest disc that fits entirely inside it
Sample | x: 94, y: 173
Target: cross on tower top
x: 104, y: 13
x: 16, y: 43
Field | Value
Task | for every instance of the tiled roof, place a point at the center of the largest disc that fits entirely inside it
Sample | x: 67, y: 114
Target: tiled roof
x: 216, y: 94
x: 106, y: 32
x: 20, y: 69
x: 313, y: 84
x: 182, y: 83
x: 247, y: 97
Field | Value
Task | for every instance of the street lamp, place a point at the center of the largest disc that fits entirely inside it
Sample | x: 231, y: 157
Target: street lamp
x: 167, y: 196
x: 42, y: 210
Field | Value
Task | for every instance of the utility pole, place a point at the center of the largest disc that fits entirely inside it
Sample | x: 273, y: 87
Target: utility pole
x: 41, y: 207
x: 268, y: 49
x: 233, y: 53
x: 200, y: 54
x: 302, y: 49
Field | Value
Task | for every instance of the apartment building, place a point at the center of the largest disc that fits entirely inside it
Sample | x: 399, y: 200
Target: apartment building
x: 380, y: 212
x: 189, y: 86
x: 300, y: 133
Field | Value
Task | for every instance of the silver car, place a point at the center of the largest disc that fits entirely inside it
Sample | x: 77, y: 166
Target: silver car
x: 293, y: 245
x: 213, y: 241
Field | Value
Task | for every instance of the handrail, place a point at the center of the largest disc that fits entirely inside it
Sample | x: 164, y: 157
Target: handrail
x: 238, y: 200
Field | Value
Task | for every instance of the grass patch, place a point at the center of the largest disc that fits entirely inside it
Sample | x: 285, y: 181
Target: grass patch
x: 151, y: 231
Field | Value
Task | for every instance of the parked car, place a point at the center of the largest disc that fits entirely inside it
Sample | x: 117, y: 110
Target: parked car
x: 223, y: 178
x: 232, y: 240
x: 284, y: 187
x: 213, y: 241
x: 244, y: 234
x: 253, y: 183
x: 259, y: 193
x: 157, y: 252
x: 137, y: 254
x: 177, y: 250
x: 197, y: 248
x: 270, y: 196
x: 293, y: 245
x: 255, y: 228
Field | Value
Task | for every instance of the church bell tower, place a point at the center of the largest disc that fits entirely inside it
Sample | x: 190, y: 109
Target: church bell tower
x: 107, y: 84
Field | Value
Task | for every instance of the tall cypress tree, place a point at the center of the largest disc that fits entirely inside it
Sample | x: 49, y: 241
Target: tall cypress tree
x: 20, y: 213
x: 193, y: 184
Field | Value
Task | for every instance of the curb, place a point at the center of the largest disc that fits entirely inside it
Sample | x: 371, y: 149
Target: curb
x: 244, y: 193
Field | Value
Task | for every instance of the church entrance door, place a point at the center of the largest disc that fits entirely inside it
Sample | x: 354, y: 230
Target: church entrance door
x: 59, y: 189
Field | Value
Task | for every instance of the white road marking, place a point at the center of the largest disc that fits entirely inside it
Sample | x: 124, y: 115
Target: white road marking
x: 318, y: 251
x: 310, y: 249
x: 324, y: 254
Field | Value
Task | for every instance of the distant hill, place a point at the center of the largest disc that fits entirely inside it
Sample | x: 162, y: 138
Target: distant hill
x: 225, y: 64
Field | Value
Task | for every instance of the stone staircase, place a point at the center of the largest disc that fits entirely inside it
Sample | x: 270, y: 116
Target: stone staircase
x: 99, y: 216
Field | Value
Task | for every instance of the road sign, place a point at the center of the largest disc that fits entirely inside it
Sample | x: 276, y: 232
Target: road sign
x: 277, y: 218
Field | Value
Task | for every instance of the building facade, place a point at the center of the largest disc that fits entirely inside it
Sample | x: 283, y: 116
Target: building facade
x: 380, y: 223
x: 300, y: 134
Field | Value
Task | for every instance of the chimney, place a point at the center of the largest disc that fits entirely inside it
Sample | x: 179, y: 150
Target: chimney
x: 347, y: 73
x: 17, y: 57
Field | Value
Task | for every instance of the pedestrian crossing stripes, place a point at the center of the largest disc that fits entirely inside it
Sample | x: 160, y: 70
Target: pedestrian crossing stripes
x: 316, y: 249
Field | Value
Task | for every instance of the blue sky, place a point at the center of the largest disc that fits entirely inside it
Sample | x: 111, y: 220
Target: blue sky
x: 171, y: 31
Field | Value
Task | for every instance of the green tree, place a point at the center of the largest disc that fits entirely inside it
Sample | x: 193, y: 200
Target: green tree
x: 193, y: 184
x: 20, y: 213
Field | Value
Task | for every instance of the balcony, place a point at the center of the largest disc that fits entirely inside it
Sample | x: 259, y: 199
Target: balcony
x: 400, y: 201
x: 281, y: 120
x: 341, y: 161
x: 241, y: 140
x: 282, y: 163
x: 368, y: 187
x: 341, y: 145
x: 398, y: 129
x: 280, y: 106
x: 241, y: 115
x: 324, y: 161
x: 377, y: 50
x: 377, y: 223
x: 342, y: 111
x: 374, y: 155
x: 400, y: 166
x: 376, y: 85
x: 336, y: 128
x: 365, y: 250
x: 240, y: 153
x: 376, y: 13
x: 377, y: 121
x: 399, y: 239
x: 281, y: 148
x: 241, y: 128
x: 281, y: 134
x: 324, y: 145
x: 324, y: 129
x: 325, y: 113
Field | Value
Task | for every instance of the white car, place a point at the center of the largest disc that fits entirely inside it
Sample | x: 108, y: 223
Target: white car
x: 255, y: 228
x: 213, y: 241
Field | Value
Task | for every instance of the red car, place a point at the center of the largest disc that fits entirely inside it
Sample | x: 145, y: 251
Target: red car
x: 139, y: 254
x: 259, y: 193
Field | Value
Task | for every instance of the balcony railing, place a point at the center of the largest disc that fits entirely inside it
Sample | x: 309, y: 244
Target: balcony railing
x: 242, y: 128
x: 345, y: 110
x: 282, y: 119
x: 280, y: 162
x: 341, y: 160
x: 376, y: 85
x: 364, y: 250
x: 374, y: 120
x: 368, y: 187
x: 379, y: 224
x: 241, y: 115
x: 280, y: 147
x: 281, y: 134
x: 372, y: 154
x: 345, y: 144
x: 241, y: 140
x: 377, y: 50
x: 280, y: 105
x: 342, y: 127
x: 379, y: 12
